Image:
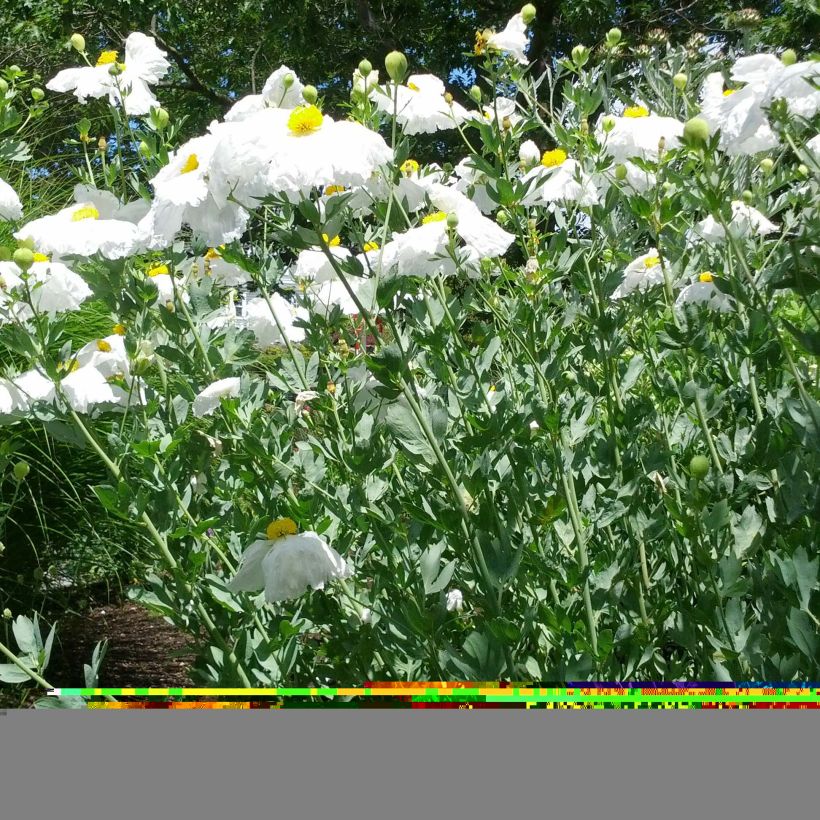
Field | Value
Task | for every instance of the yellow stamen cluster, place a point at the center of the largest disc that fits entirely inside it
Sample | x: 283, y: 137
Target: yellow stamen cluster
x: 88, y: 212
x: 409, y: 166
x: 438, y: 216
x: 334, y: 242
x: 305, y: 120
x: 554, y: 158
x: 281, y: 527
x: 211, y: 254
x: 40, y: 257
x: 370, y: 246
x: 158, y: 270
x: 635, y: 112
x: 69, y: 366
x: 119, y: 329
x: 413, y: 87
x: 729, y: 91
x: 334, y: 189
x: 331, y: 387
x: 706, y: 276
x: 651, y: 261
x: 103, y: 346
x: 482, y: 39
x: 107, y: 58
x: 191, y: 164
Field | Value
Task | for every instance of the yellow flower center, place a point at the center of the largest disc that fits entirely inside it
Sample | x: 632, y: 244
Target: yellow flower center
x: 88, y: 212
x: 191, y: 164
x: 334, y: 189
x: 280, y: 527
x: 409, y: 166
x: 332, y: 242
x: 40, y: 257
x: 103, y: 346
x: 69, y: 366
x: 305, y: 120
x: 119, y: 329
x: 158, y: 270
x: 438, y: 216
x: 371, y: 246
x: 331, y: 387
x: 481, y: 40
x: 107, y: 58
x: 413, y: 87
x: 705, y: 277
x: 492, y: 389
x: 636, y: 111
x: 211, y: 254
x: 729, y: 91
x: 554, y: 158
x: 651, y: 261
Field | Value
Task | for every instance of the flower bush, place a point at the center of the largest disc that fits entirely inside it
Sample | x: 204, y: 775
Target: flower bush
x: 543, y: 409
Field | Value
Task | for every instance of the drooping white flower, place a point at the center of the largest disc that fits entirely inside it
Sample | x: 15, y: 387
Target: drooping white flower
x: 145, y: 65
x: 10, y: 205
x: 641, y: 274
x: 272, y: 328
x: 420, y: 105
x: 208, y: 400
x: 529, y: 153
x: 107, y: 355
x: 97, y: 223
x: 511, y: 40
x: 560, y: 179
x: 703, y: 291
x: 302, y: 398
x: 52, y: 286
x: 794, y: 85
x: 638, y: 133
x: 502, y: 108
x: 454, y: 600
x: 85, y: 387
x: 287, y: 563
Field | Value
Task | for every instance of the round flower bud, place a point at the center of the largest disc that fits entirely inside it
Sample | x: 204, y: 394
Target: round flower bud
x: 679, y: 81
x: 4, y: 86
x: 115, y: 69
x: 78, y: 42
x: 580, y: 55
x: 15, y: 69
x: 475, y: 93
x: 102, y: 145
x: 365, y: 67
x: 528, y: 13
x: 310, y: 94
x: 23, y: 258
x: 662, y: 144
x: 613, y: 37
x: 448, y: 98
x: 503, y: 217
x: 767, y: 165
x: 667, y: 186
x: 620, y: 172
x: 7, y: 614
x: 699, y: 467
x: 144, y: 148
x: 37, y: 94
x: 396, y: 64
x: 607, y: 255
x: 5, y: 254
x: 21, y: 470
x: 288, y: 80
x: 608, y: 123
x: 802, y: 170
x: 162, y: 118
x: 452, y: 220
x: 748, y: 197
x: 696, y: 131
x: 788, y: 57
x: 506, y: 123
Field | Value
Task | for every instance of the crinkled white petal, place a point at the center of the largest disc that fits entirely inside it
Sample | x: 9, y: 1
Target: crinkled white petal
x: 639, y: 136
x: 564, y: 183
x: 208, y: 400
x: 10, y: 205
x: 704, y: 293
x: 512, y: 40
x: 268, y: 327
x: 637, y: 276
x: 86, y: 387
x: 277, y: 94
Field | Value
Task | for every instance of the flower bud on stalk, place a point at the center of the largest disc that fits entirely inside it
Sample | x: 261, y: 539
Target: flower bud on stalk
x: 608, y: 123
x: 506, y: 124
x: 748, y: 197
x: 310, y: 94
x: 680, y: 81
x: 396, y: 64
x: 448, y: 98
x: 23, y: 258
x: 452, y: 220
x: 161, y: 118
x: 475, y: 93
x: 102, y: 145
x: 802, y: 171
x: 696, y: 131
x: 21, y: 470
x: 528, y: 13
x: 613, y: 37
x: 766, y: 165
x: 620, y: 172
x: 144, y: 148
x: 699, y: 467
x: 580, y: 55
x: 788, y: 57
x: 365, y: 67
x: 78, y: 42
x: 7, y: 614
x: 4, y: 86
x: 37, y: 94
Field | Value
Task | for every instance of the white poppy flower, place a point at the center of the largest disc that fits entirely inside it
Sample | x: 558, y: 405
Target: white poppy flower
x: 474, y: 184
x: 512, y: 39
x: 708, y: 229
x: 366, y: 615
x: 145, y: 65
x: 748, y: 221
x: 107, y: 355
x: 793, y: 84
x: 314, y: 266
x: 85, y: 387
x: 268, y: 327
x: 332, y: 293
x: 420, y: 105
x: 277, y: 93
x: 10, y: 205
x: 503, y: 108
x: 286, y: 564
x: 637, y: 134
x: 704, y: 291
x: 97, y: 223
x: 454, y: 600
x: 529, y: 153
x: 637, y: 180
x: 813, y: 145
x: 32, y: 387
x: 302, y: 398
x: 364, y: 85
x: 559, y: 179
x: 641, y: 274
x: 161, y: 279
x: 53, y: 287
x: 208, y: 400
x: 223, y: 273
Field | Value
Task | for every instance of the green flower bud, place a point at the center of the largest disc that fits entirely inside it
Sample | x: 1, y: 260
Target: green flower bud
x: 21, y: 470
x: 37, y: 94
x: 396, y: 64
x: 679, y: 81
x: 580, y: 55
x: 365, y: 67
x: 802, y: 170
x: 788, y: 57
x: 452, y: 220
x: 448, y: 98
x: 7, y: 614
x: 23, y: 258
x: 4, y: 86
x: 766, y: 165
x: 528, y: 13
x: 5, y: 254
x: 28, y: 242
x: 310, y: 94
x: 288, y: 80
x: 78, y: 42
x: 620, y: 172
x: 748, y: 197
x: 696, y: 131
x: 613, y: 37
x: 607, y: 255
x: 699, y: 467
x: 503, y: 217
x: 144, y: 148
x: 15, y: 69
x: 115, y: 69
x: 608, y: 123
x: 161, y: 118
x: 475, y: 93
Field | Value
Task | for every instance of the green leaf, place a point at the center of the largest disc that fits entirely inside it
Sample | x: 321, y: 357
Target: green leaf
x: 10, y: 673
x: 802, y: 632
x: 25, y: 636
x: 746, y: 530
x: 805, y: 573
x: 403, y: 424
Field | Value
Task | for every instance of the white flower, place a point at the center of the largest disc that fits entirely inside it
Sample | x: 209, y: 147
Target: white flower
x: 285, y: 566
x: 454, y: 600
x: 144, y: 65
x: 512, y: 40
x: 302, y: 398
x: 269, y: 327
x: 474, y: 184
x: 562, y: 182
x: 642, y: 273
x: 278, y: 94
x: 313, y: 266
x: 10, y: 205
x: 207, y: 400
x: 792, y: 84
x: 166, y: 285
x: 529, y: 153
x: 637, y: 179
x: 223, y: 273
x: 708, y: 229
x: 813, y: 145
x: 503, y: 108
x: 637, y: 134
x: 85, y: 387
x: 332, y: 293
x: 364, y: 85
x: 748, y: 221
x: 704, y: 291
x: 19, y: 394
x: 420, y: 105
x: 107, y: 355
x: 97, y: 223
x: 366, y: 615
x: 53, y: 287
